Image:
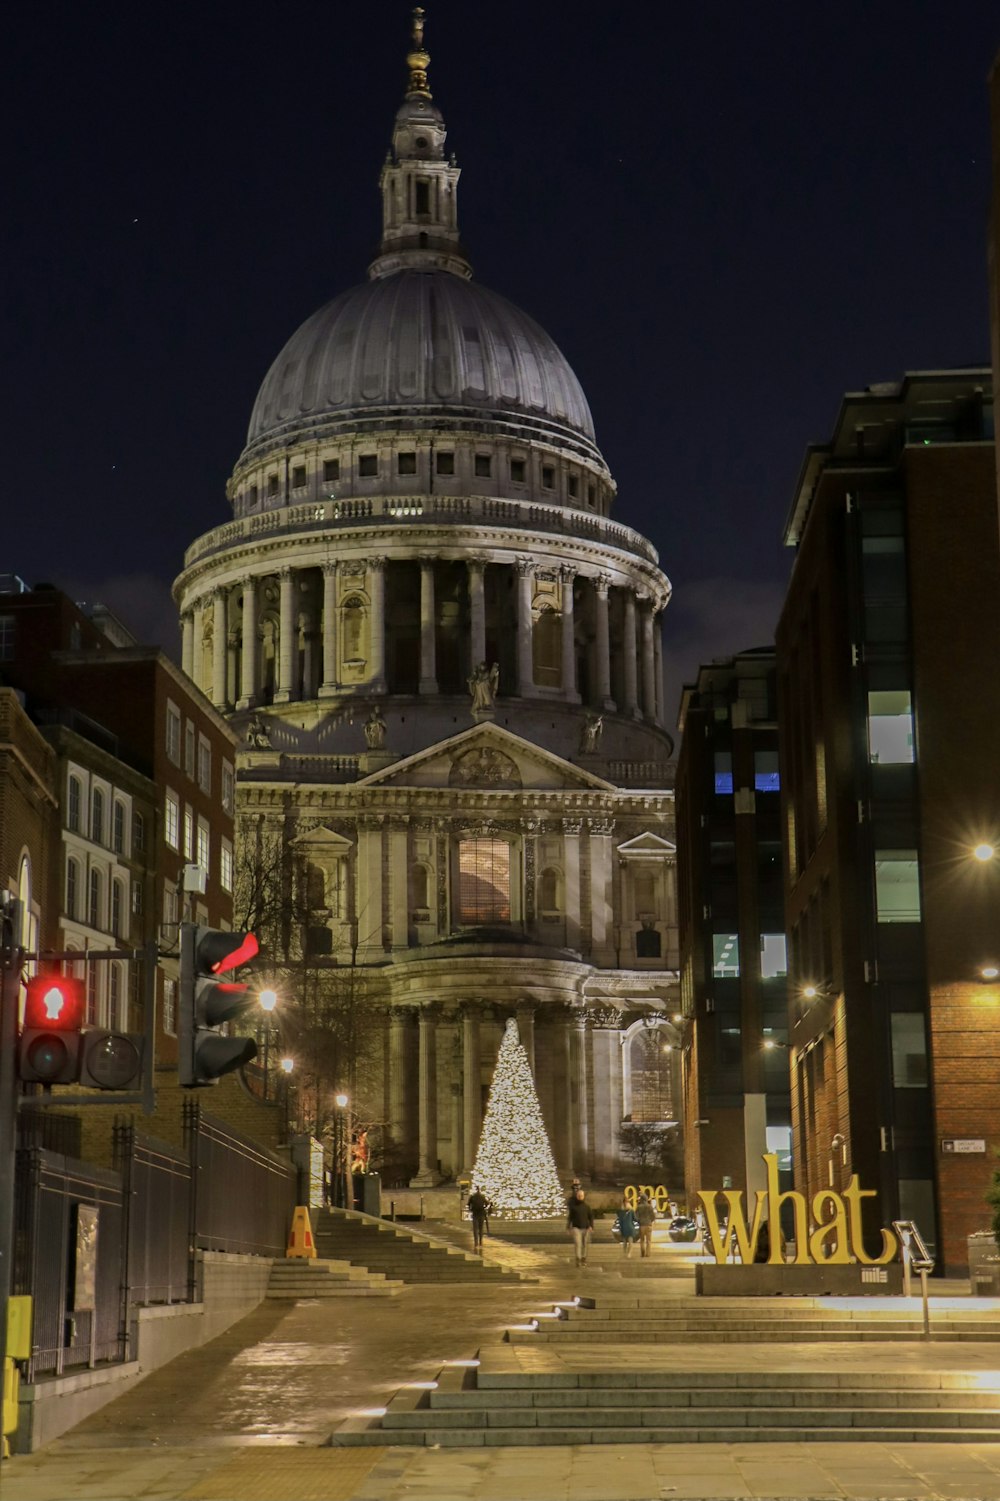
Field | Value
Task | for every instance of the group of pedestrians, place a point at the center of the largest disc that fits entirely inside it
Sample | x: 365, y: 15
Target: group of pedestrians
x: 630, y: 1224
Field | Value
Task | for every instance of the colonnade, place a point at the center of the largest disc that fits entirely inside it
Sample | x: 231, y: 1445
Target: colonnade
x: 300, y: 625
x: 450, y: 1094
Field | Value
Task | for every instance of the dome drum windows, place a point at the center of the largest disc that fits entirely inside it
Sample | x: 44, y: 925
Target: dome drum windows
x: 355, y: 629
x: 299, y: 477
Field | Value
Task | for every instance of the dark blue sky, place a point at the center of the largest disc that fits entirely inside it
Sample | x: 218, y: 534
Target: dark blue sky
x: 725, y: 218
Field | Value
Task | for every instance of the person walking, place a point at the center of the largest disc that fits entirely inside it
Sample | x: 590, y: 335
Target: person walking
x: 580, y: 1222
x: 645, y: 1214
x: 479, y: 1208
x: 627, y: 1226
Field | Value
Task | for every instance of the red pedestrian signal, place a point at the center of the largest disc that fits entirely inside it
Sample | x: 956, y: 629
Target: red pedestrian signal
x: 48, y: 1050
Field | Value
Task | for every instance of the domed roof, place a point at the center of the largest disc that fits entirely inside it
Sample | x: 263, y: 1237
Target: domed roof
x: 418, y: 339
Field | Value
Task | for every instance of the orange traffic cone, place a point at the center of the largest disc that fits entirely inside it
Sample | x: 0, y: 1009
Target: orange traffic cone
x: 300, y: 1239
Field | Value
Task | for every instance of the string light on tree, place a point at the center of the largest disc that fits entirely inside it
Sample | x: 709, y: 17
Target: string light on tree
x: 514, y: 1164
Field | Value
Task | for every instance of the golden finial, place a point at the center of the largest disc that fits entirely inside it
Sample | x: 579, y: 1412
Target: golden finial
x: 417, y: 61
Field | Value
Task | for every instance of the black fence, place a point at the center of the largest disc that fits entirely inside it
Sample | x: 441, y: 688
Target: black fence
x: 92, y: 1243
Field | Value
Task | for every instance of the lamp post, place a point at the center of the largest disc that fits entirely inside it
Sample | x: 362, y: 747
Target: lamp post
x: 341, y: 1195
x: 268, y: 1001
x: 287, y: 1065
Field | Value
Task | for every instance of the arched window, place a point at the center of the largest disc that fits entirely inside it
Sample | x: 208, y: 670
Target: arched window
x: 138, y: 833
x: 549, y: 892
x: 73, y: 888
x: 115, y: 997
x: 92, y: 991
x: 649, y: 1095
x: 97, y: 816
x: 94, y: 913
x: 73, y: 805
x: 117, y: 908
x: 648, y: 943
x: 118, y: 828
x: 547, y: 649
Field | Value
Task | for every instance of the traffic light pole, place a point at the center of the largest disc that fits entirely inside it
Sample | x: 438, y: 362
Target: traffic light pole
x: 10, y: 976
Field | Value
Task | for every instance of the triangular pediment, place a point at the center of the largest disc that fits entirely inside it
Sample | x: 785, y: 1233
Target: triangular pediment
x: 489, y: 758
x: 320, y: 838
x: 647, y: 846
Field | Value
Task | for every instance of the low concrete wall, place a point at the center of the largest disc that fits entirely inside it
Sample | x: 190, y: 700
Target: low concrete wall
x: 765, y: 1281
x: 230, y: 1287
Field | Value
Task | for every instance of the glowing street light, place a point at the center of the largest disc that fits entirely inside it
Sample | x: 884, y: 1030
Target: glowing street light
x: 810, y: 992
x: 268, y: 999
x: 989, y: 972
x: 984, y: 852
x: 287, y: 1065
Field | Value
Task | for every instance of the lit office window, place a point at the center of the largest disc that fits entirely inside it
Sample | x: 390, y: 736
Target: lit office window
x: 897, y: 886
x: 909, y: 1050
x: 773, y: 959
x: 726, y: 956
x: 723, y: 772
x: 766, y: 777
x: 890, y: 728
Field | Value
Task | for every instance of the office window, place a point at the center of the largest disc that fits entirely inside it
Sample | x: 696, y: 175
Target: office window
x: 773, y: 956
x: 483, y: 881
x: 483, y: 466
x: 445, y: 463
x: 406, y: 463
x: 97, y: 816
x: 726, y: 956
x: 189, y: 748
x: 226, y: 865
x: 897, y: 886
x: 73, y: 805
x: 909, y: 1050
x: 723, y: 772
x: 204, y: 764
x: 118, y: 828
x: 766, y: 777
x: 227, y: 787
x: 189, y: 833
x: 368, y: 465
x: 172, y: 821
x: 170, y: 1007
x: 331, y: 470
x: 518, y: 470
x: 94, y: 913
x: 72, y: 888
x: 890, y: 728
x: 203, y: 846
x: 173, y: 734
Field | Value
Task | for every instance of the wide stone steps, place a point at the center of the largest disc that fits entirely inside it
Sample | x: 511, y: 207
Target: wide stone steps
x: 400, y: 1254
x: 321, y: 1278
x: 470, y: 1408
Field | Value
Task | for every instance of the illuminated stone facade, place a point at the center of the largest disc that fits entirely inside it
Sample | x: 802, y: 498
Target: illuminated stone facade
x: 443, y: 658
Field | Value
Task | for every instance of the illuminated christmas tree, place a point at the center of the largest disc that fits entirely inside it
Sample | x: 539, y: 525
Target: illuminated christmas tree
x: 514, y: 1165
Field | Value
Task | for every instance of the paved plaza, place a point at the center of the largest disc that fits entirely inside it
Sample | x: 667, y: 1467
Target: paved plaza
x: 249, y: 1416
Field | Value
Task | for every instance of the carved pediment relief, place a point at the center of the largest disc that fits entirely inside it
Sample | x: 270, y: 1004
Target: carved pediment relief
x: 483, y: 766
x: 486, y: 756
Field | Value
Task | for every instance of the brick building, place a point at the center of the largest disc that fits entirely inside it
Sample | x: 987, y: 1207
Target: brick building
x: 889, y: 711
x: 732, y: 926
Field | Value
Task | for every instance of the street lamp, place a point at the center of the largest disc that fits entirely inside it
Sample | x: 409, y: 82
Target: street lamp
x: 268, y: 1001
x: 983, y: 852
x: 340, y: 1152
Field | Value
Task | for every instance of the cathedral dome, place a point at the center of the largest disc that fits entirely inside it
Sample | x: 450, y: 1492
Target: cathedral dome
x: 422, y: 339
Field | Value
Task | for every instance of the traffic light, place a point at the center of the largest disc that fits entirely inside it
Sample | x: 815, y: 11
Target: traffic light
x: 206, y: 1000
x: 50, y: 1044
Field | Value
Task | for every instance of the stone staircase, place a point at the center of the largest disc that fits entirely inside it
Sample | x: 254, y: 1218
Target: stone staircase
x: 470, y: 1407
x: 628, y: 1319
x: 298, y: 1278
x: 405, y: 1255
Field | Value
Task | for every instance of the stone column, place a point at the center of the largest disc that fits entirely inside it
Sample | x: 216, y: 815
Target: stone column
x: 457, y: 1145
x: 602, y: 584
x: 220, y: 646
x: 526, y: 1030
x: 428, y: 644
x: 329, y: 684
x: 399, y: 1052
x: 369, y: 896
x: 579, y: 1123
x: 376, y: 589
x: 631, y: 659
x: 471, y: 1086
x: 477, y: 612
x: 427, y: 1173
x: 568, y: 638
x: 248, y: 663
x: 571, y: 876
x: 658, y: 664
x: 286, y: 637
x: 187, y: 642
x: 648, y: 661
x: 525, y: 665
x: 601, y: 933
x: 399, y: 878
x: 606, y: 1049
x: 232, y: 667
x: 198, y: 644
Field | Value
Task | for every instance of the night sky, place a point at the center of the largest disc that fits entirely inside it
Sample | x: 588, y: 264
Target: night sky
x: 725, y: 216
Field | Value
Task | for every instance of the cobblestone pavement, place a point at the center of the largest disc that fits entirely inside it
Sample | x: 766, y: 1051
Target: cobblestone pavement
x: 244, y: 1418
